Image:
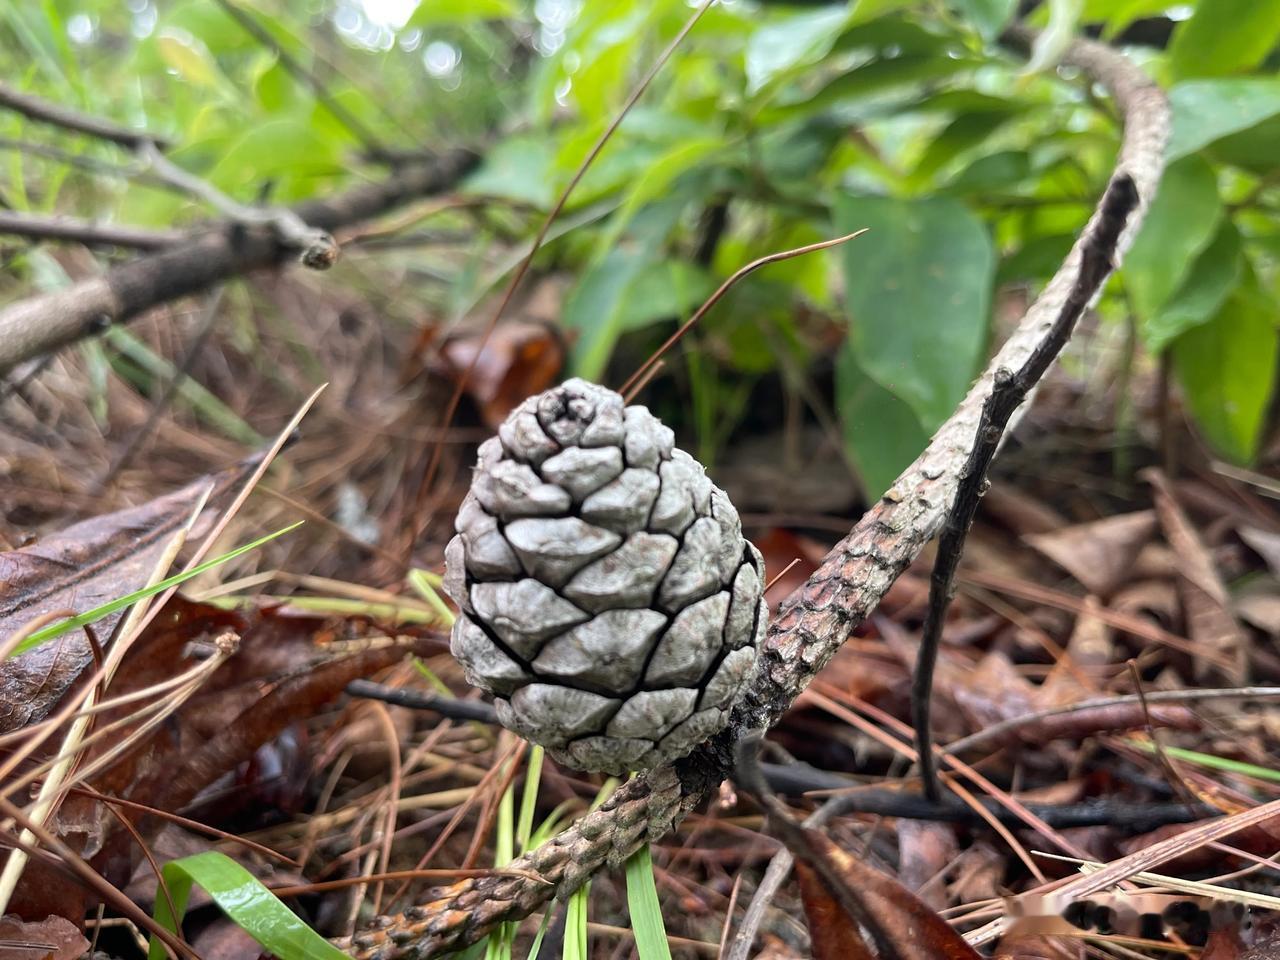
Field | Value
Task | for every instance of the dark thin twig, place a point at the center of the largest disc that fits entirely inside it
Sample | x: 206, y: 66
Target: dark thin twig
x: 998, y: 730
x: 39, y: 227
x: 450, y: 707
x: 36, y: 108
x: 1008, y: 392
x: 373, y: 146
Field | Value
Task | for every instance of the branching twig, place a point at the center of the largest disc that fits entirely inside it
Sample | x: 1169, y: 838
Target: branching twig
x: 1097, y: 253
x: 209, y: 255
x: 813, y: 622
x: 316, y: 248
x: 59, y: 116
x: 39, y: 227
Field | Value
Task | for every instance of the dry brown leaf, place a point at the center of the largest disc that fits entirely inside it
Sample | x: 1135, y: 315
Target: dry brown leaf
x: 81, y: 567
x: 1205, y: 601
x: 518, y: 360
x: 53, y: 938
x: 925, y: 850
x: 1099, y: 554
x: 833, y: 934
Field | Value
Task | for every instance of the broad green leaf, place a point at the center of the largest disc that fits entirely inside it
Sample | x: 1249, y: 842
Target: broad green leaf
x: 1211, y: 278
x: 881, y: 433
x: 287, y: 147
x: 432, y: 13
x: 1181, y: 222
x: 918, y: 288
x: 596, y: 306
x: 1254, y: 149
x: 1227, y: 368
x: 1205, y: 111
x: 254, y: 909
x: 988, y: 17
x: 645, y: 910
x: 516, y: 169
x: 655, y: 181
x: 188, y: 56
x: 1118, y: 14
x: 779, y: 46
x: 1037, y: 259
x: 963, y: 133
x: 662, y: 290
x: 1224, y: 37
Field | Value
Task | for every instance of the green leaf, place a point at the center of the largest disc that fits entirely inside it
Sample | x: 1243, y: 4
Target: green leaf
x: 1211, y: 278
x: 881, y: 433
x: 646, y: 911
x: 1224, y: 37
x: 989, y: 17
x: 111, y: 606
x: 596, y: 306
x: 1227, y: 369
x: 518, y: 169
x: 1205, y: 111
x: 188, y: 56
x: 776, y: 48
x: 285, y: 147
x: 918, y: 288
x: 1052, y: 42
x: 1254, y: 149
x: 654, y: 182
x: 963, y: 133
x: 662, y: 290
x: 253, y: 908
x: 1181, y: 222
x: 432, y: 13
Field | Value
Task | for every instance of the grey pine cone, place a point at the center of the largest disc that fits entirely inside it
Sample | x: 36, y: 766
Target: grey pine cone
x: 608, y: 599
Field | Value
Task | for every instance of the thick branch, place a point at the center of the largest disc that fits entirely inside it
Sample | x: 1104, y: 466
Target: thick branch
x: 39, y: 227
x: 59, y: 116
x: 208, y: 255
x: 813, y: 622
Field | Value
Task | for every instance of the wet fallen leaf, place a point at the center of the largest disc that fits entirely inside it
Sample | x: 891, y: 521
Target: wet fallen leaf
x: 76, y: 570
x: 53, y: 938
x: 1099, y: 554
x: 925, y: 850
x: 833, y: 934
x: 517, y: 360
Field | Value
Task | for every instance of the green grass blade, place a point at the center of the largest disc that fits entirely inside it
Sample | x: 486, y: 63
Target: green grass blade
x: 425, y: 584
x: 536, y: 946
x: 529, y: 801
x: 1210, y: 761
x: 254, y: 909
x: 111, y: 606
x: 646, y: 912
x: 576, y: 944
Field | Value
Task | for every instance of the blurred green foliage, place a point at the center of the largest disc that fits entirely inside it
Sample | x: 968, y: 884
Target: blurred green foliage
x: 773, y: 126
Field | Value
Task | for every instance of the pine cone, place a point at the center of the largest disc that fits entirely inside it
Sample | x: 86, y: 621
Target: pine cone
x: 608, y: 599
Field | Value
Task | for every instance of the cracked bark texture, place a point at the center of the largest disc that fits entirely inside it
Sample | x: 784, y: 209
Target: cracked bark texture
x: 812, y: 623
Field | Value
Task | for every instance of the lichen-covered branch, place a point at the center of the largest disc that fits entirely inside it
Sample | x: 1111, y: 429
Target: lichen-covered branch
x: 813, y: 622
